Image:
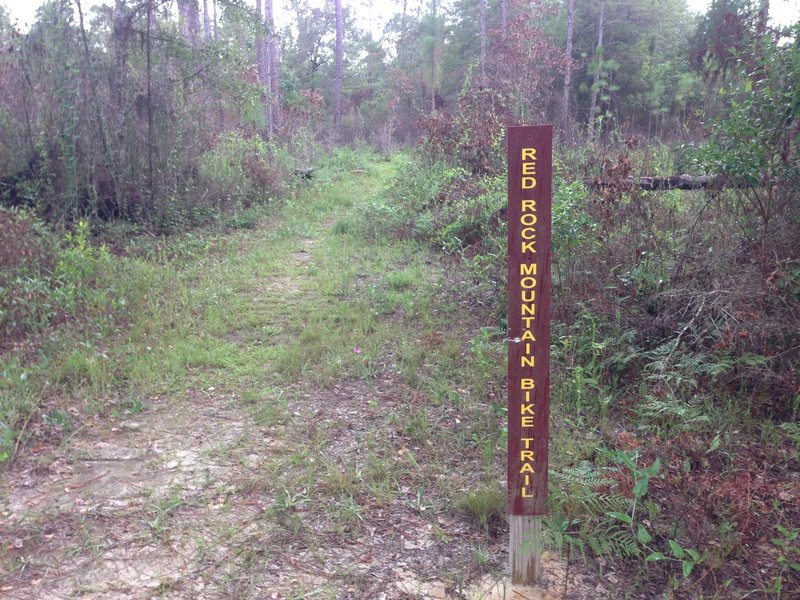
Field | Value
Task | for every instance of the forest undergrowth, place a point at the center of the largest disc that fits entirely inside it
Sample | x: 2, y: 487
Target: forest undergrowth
x: 230, y: 367
x: 300, y: 391
x: 674, y: 446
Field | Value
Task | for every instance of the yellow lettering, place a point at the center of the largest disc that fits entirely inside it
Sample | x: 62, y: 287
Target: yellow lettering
x: 528, y: 282
x: 528, y: 335
x: 527, y: 269
x: 528, y: 246
x: 527, y: 442
x: 527, y: 421
x: 526, y: 384
x: 526, y: 468
x: 528, y: 309
x: 526, y: 455
x: 529, y: 168
x: 528, y: 154
x: 526, y: 361
x: 528, y: 233
x: 529, y: 205
x: 528, y: 219
x: 526, y: 409
x: 528, y: 183
x: 527, y: 321
x: 525, y: 493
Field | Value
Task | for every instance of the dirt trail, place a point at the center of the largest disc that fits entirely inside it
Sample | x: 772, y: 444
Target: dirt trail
x: 314, y: 492
x: 139, y: 507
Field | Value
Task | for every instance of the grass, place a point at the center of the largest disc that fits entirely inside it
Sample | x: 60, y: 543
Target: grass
x: 484, y: 504
x: 344, y: 358
x: 368, y: 361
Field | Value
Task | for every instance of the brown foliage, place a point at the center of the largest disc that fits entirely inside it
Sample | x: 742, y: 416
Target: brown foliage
x: 22, y: 248
x: 522, y: 64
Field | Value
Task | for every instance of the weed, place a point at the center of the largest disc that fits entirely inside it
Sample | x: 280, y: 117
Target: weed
x: 788, y: 559
x: 481, y: 556
x: 19, y: 399
x: 161, y: 511
x: 419, y: 426
x: 271, y: 411
x: 484, y: 505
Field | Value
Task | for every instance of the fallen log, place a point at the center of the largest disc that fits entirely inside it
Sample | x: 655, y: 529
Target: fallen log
x: 307, y: 173
x: 676, y: 182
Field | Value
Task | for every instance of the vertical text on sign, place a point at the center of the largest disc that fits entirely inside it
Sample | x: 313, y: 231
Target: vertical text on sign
x: 529, y: 190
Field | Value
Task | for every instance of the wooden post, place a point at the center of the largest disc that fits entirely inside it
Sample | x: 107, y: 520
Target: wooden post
x: 525, y: 548
x: 529, y: 215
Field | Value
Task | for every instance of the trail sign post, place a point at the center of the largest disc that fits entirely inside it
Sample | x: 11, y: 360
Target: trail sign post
x: 530, y: 167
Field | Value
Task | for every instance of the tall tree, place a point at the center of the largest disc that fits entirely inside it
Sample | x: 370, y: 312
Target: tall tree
x: 96, y: 108
x: 189, y: 20
x: 483, y: 41
x: 272, y: 60
x: 123, y: 31
x: 568, y: 66
x: 598, y: 59
x: 151, y: 186
x: 206, y: 21
x: 431, y: 54
x: 261, y: 64
x: 339, y: 76
x: 216, y: 30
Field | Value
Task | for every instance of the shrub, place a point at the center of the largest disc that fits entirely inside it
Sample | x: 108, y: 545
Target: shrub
x: 27, y: 256
x: 243, y: 170
x: 50, y: 280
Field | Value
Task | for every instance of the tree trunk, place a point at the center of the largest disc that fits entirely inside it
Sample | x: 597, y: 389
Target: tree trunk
x: 568, y: 65
x: 148, y: 212
x: 763, y: 17
x: 483, y: 42
x: 206, y: 21
x: 261, y: 65
x: 123, y: 30
x: 598, y: 53
x: 337, y: 83
x: 272, y: 59
x: 101, y: 130
x: 434, y: 58
x: 216, y: 32
x: 676, y: 182
x: 261, y: 46
x: 189, y: 20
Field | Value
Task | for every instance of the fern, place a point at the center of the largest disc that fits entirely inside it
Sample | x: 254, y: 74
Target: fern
x: 583, y: 497
x: 669, y: 412
x: 792, y: 431
x: 583, y: 475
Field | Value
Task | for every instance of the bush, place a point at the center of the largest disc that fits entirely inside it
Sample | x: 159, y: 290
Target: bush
x: 50, y: 280
x: 27, y: 257
x: 245, y: 170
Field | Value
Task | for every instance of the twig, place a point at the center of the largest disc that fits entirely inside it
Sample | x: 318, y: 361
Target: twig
x: 21, y: 432
x: 77, y: 486
x: 690, y: 233
x: 683, y: 333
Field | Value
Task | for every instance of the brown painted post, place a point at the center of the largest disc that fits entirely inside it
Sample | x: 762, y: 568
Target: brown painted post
x: 530, y: 167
